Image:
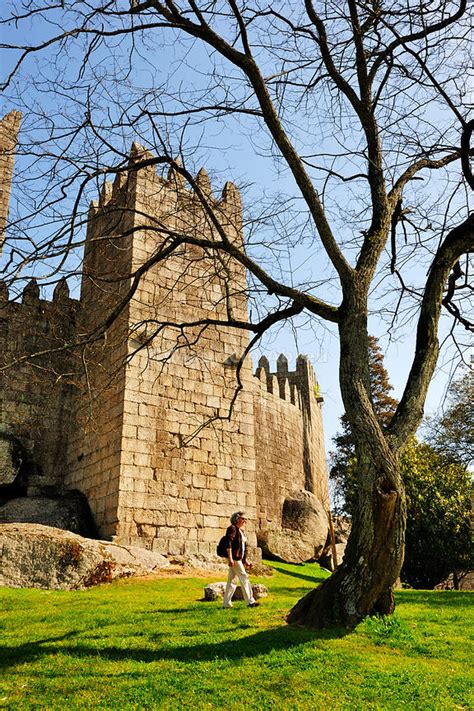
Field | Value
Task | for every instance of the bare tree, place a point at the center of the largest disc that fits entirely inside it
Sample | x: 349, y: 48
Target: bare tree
x: 361, y: 105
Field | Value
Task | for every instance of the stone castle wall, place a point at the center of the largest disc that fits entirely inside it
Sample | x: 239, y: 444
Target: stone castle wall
x: 36, y: 394
x: 287, y: 450
x: 96, y: 446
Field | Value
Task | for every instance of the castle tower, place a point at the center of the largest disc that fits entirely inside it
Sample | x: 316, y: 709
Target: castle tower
x: 9, y: 127
x: 141, y: 413
x: 162, y: 463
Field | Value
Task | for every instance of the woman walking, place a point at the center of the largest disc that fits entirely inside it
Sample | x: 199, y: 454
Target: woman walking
x: 237, y: 559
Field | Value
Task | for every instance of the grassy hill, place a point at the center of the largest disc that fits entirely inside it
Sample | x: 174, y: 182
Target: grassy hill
x: 145, y: 644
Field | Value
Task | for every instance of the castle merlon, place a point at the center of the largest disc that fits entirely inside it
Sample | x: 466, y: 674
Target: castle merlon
x: 31, y: 296
x: 175, y: 182
x: 293, y: 386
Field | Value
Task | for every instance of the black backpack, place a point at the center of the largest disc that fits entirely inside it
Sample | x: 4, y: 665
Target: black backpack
x: 222, y: 547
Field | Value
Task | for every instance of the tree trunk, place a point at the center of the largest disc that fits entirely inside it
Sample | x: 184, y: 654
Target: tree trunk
x: 362, y: 585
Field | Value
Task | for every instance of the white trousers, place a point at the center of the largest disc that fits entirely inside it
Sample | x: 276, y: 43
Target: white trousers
x: 238, y: 572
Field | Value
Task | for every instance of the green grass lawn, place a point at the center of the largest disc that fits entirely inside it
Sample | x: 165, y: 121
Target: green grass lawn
x: 142, y: 644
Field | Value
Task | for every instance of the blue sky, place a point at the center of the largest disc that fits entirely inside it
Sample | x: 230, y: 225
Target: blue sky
x: 229, y: 150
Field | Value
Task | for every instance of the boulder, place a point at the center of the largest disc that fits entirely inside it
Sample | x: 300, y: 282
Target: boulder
x: 303, y: 512
x: 327, y: 561
x: 304, y: 530
x: 16, y: 465
x: 215, y: 591
x: 69, y: 511
x: 36, y: 556
x: 340, y: 550
x: 9, y: 464
x: 287, y: 546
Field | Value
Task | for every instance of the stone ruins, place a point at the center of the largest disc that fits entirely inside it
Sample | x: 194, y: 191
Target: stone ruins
x: 135, y: 415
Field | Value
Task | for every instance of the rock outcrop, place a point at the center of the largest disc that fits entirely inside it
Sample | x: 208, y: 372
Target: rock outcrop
x: 304, y: 530
x: 14, y: 466
x: 9, y: 466
x: 36, y: 556
x: 70, y: 511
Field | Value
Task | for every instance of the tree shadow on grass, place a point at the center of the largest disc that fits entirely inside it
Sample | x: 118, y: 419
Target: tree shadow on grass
x: 170, y: 610
x: 316, y: 579
x: 258, y: 644
x: 11, y: 655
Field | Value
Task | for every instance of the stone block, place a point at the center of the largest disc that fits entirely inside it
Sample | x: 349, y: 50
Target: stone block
x: 227, y: 497
x: 170, y: 488
x: 208, y: 508
x: 139, y: 486
x: 144, y: 516
x: 147, y: 434
x: 224, y: 472
x: 126, y: 484
x: 191, y: 548
x: 248, y: 475
x: 205, y: 548
x: 160, y: 545
x: 148, y: 532
x: 215, y: 483
x: 194, y: 506
x: 250, y: 500
x: 175, y: 547
x: 209, y: 535
x: 200, y: 456
x: 172, y: 518
x: 212, y: 521
x: 209, y: 495
x: 199, y: 481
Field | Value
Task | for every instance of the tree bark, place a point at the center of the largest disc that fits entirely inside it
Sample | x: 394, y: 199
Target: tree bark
x: 362, y: 585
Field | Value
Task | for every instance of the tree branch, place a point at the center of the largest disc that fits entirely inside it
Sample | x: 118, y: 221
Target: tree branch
x: 410, y: 409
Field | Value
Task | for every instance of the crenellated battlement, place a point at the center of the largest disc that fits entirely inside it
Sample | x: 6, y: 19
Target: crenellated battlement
x: 61, y: 303
x: 145, y: 183
x: 294, y: 386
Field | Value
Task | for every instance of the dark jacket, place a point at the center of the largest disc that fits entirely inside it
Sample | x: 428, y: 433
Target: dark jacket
x: 234, y: 541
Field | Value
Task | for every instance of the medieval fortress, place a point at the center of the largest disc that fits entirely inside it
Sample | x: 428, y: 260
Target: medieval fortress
x: 120, y: 416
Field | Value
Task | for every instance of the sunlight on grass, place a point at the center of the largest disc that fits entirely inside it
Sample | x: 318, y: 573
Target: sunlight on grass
x: 154, y: 644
